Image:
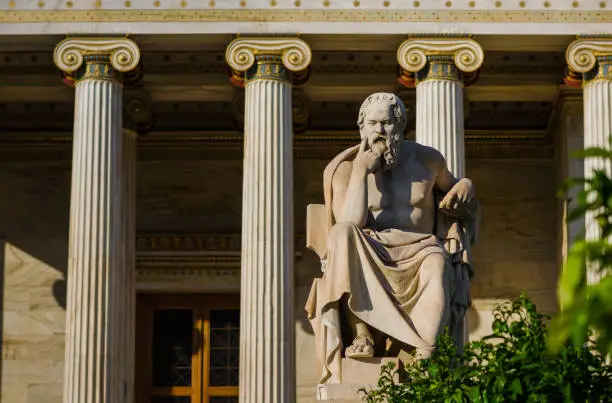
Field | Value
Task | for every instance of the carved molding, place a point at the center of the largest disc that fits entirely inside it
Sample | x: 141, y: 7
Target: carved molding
x: 467, y: 54
x: 235, y: 138
x: 307, y: 15
x: 206, y: 245
x: 196, y: 262
x: 123, y: 53
x: 178, y: 277
x: 137, y: 111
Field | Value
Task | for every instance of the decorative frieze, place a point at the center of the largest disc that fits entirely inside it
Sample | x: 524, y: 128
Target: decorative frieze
x: 370, y: 11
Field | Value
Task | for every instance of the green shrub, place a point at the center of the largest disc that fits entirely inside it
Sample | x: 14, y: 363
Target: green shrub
x: 510, y: 365
x: 585, y: 306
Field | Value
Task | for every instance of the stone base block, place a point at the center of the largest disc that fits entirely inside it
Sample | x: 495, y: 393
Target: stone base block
x: 356, y: 374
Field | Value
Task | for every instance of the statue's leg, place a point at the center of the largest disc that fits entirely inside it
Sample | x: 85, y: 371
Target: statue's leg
x: 363, y: 343
x: 359, y: 327
x: 431, y: 312
x: 344, y: 263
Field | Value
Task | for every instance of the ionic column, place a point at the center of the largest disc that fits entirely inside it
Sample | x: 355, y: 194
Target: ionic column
x: 137, y: 119
x: 97, y: 366
x: 592, y: 57
x: 569, y: 135
x: 439, y: 64
x: 267, y: 368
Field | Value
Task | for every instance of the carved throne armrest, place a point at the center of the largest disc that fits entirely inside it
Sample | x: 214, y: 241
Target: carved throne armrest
x: 316, y: 229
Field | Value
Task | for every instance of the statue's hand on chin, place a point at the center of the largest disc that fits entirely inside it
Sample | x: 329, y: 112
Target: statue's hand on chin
x: 367, y: 161
x: 459, y: 200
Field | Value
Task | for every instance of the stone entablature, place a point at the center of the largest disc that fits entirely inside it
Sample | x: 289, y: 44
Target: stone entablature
x: 529, y: 5
x: 559, y: 17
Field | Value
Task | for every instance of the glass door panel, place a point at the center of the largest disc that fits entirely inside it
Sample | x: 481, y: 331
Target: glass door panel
x: 187, y: 348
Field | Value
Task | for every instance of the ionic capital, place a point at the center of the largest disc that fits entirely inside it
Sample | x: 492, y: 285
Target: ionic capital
x: 105, y: 56
x: 467, y: 54
x: 591, y: 57
x: 279, y: 56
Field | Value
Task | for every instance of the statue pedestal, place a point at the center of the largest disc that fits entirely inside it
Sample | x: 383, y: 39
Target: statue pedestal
x: 356, y: 374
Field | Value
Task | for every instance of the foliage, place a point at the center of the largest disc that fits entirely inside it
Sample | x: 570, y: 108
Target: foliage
x: 510, y: 365
x: 587, y: 306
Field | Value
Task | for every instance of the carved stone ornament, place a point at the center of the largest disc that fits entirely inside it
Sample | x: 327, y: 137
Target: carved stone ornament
x: 581, y: 55
x: 467, y: 54
x: 70, y: 53
x: 138, y: 111
x: 295, y: 53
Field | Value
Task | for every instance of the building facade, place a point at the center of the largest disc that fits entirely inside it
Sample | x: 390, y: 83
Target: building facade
x: 157, y: 159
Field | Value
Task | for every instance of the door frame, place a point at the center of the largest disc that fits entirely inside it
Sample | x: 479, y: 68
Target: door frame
x: 201, y: 304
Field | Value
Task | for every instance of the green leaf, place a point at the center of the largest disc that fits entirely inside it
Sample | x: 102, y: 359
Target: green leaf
x: 592, y: 152
x: 516, y: 388
x: 573, y: 276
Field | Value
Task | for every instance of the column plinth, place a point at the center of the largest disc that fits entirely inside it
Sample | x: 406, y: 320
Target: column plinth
x: 592, y: 57
x: 98, y: 365
x: 439, y: 65
x: 267, y: 366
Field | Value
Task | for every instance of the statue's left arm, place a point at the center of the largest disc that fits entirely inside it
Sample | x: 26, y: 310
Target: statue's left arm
x: 459, y: 199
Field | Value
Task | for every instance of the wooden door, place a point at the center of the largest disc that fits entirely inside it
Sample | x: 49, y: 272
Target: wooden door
x: 187, y: 348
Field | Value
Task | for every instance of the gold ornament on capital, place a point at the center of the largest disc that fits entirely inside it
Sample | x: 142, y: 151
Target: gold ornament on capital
x: 294, y: 53
x: 123, y: 54
x: 581, y: 55
x: 467, y: 54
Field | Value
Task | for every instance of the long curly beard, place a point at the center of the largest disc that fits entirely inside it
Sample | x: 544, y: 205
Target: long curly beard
x: 388, y: 148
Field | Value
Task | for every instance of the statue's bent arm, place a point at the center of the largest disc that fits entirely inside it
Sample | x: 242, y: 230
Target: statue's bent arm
x: 459, y: 193
x: 445, y: 180
x: 350, y: 195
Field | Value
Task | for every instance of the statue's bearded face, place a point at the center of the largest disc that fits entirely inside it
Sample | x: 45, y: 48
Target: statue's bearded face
x: 381, y: 129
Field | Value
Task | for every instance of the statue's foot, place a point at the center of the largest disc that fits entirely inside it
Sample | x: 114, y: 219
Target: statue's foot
x: 362, y: 347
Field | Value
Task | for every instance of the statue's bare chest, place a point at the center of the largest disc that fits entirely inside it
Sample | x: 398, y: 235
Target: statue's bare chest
x: 403, y: 188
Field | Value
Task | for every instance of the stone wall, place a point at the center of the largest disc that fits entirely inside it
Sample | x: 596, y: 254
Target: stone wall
x: 201, y: 193
x: 33, y: 257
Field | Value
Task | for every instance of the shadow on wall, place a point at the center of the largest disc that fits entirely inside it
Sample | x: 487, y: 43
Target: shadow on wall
x: 38, y: 263
x: 307, y: 268
x: 473, y: 320
x: 35, y: 221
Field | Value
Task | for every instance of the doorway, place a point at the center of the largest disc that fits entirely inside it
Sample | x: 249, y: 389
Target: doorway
x: 187, y: 348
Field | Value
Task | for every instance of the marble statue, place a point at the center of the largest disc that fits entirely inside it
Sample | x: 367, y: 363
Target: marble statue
x: 394, y: 241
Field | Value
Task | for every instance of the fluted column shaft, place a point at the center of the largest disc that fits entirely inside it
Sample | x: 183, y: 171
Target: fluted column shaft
x: 129, y: 265
x: 267, y: 341
x: 570, y: 138
x: 439, y: 64
x: 439, y: 119
x: 597, y: 130
x: 97, y: 362
x: 593, y: 58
